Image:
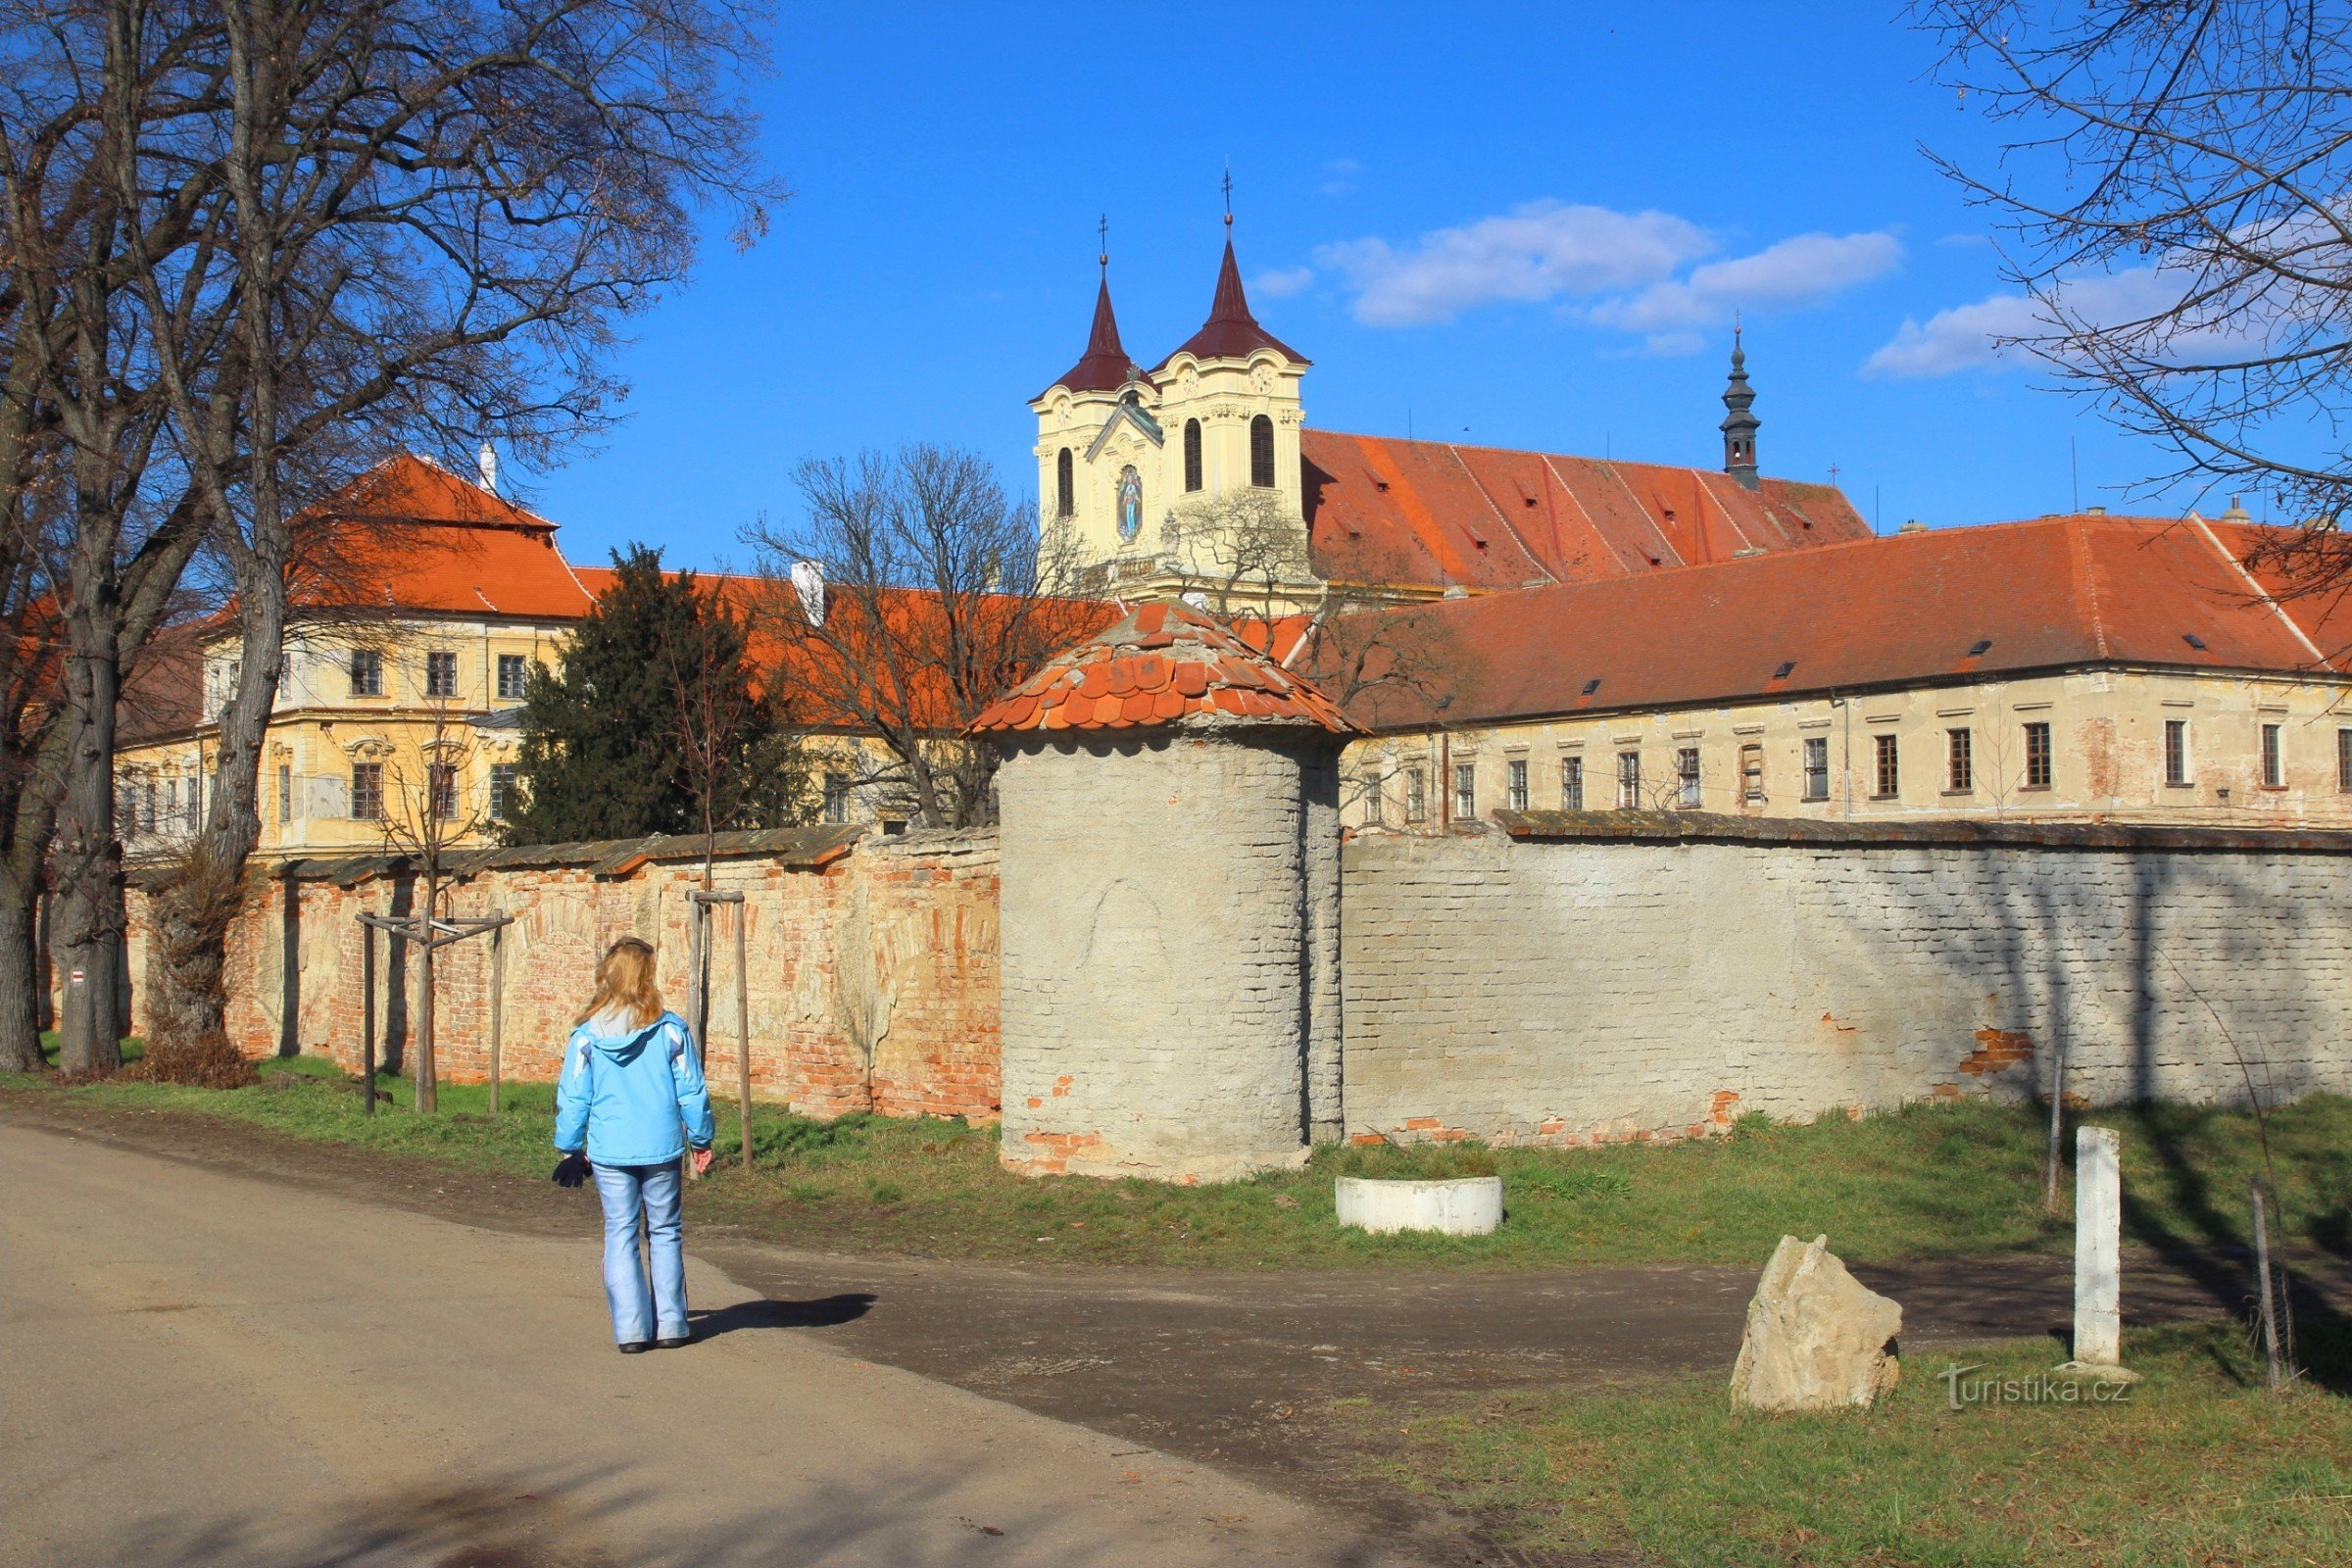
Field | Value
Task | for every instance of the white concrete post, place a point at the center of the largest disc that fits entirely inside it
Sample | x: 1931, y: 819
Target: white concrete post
x: 2098, y: 1248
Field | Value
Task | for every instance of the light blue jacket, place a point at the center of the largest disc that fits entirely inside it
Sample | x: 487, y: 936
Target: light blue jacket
x: 627, y: 1099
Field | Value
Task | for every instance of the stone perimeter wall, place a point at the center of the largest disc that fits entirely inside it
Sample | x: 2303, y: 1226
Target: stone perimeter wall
x: 1593, y: 988
x: 873, y: 949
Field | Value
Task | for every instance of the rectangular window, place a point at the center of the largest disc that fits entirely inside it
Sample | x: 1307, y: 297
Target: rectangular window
x: 366, y: 672
x: 1572, y: 783
x: 367, y: 792
x: 1465, y: 792
x: 1752, y: 772
x: 1890, y: 778
x: 502, y: 791
x: 1817, y: 767
x: 2176, y: 752
x: 1515, y: 783
x: 1960, y: 768
x: 836, y: 797
x: 1685, y: 777
x: 286, y: 793
x: 514, y: 677
x: 1416, y: 795
x: 2343, y: 760
x: 441, y: 791
x: 440, y: 675
x: 2038, y: 756
x: 1374, y: 806
x: 1629, y: 781
x: 2274, y: 767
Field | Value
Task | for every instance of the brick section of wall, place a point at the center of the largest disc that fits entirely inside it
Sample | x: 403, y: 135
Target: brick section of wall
x: 1587, y: 990
x: 880, y: 965
x: 1157, y: 926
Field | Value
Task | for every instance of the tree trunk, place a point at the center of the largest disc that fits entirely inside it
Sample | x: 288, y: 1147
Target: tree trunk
x: 90, y: 857
x: 31, y: 823
x: 190, y: 915
x: 428, y: 1078
x: 20, y: 978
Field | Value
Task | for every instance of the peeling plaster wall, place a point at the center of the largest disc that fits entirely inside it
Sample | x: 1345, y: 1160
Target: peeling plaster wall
x: 1159, y: 922
x: 1586, y: 991
x: 876, y: 969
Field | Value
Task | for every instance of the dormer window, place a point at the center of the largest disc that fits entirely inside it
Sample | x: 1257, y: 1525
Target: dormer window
x: 1261, y: 453
x: 1065, y: 485
x: 1192, y: 455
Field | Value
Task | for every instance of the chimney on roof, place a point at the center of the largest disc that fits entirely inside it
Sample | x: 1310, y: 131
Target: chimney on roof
x: 486, y: 462
x: 808, y: 587
x: 2237, y: 512
x: 1739, y: 421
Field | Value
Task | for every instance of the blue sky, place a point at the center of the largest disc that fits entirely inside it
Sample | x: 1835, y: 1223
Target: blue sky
x: 1513, y: 226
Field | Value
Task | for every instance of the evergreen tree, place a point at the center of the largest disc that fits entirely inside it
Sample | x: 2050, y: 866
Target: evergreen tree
x: 652, y: 707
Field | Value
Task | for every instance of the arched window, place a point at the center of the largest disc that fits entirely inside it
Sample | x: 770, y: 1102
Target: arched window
x: 1065, y: 485
x: 1261, y: 453
x: 1192, y: 455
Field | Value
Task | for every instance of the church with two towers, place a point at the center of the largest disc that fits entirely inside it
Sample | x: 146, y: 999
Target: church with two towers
x: 1200, y: 475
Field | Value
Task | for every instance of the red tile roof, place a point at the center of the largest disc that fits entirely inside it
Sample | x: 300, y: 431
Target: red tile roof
x: 1384, y: 511
x: 2048, y: 594
x: 1166, y: 665
x: 410, y: 535
x: 1231, y: 332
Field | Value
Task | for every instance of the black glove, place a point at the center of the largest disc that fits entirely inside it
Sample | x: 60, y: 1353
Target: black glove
x: 572, y: 1170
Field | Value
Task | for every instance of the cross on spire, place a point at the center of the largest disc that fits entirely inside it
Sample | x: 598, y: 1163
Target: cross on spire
x: 1102, y: 236
x: 1228, y: 195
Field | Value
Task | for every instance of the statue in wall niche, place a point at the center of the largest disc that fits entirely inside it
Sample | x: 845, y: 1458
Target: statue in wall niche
x: 1126, y: 957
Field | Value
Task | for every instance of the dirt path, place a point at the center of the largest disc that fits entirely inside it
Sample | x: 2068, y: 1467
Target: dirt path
x: 1220, y: 1366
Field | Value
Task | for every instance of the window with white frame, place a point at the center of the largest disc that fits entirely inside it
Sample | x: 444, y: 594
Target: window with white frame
x: 1514, y: 783
x: 1572, y: 783
x: 440, y: 675
x: 1465, y: 792
x: 1685, y: 777
x: 1817, y: 767
x: 1416, y: 795
x: 514, y: 677
x: 2274, y: 764
x: 1629, y: 781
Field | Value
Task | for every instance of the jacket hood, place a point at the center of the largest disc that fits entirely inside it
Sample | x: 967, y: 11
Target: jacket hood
x: 627, y: 1044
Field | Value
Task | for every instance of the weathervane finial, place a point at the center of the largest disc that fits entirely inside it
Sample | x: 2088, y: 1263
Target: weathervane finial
x: 1102, y: 235
x: 1229, y: 195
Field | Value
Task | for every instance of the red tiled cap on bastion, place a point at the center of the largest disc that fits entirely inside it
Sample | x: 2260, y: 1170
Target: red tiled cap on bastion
x: 1166, y: 665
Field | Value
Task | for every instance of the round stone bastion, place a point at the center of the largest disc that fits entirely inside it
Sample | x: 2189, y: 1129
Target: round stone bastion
x: 1169, y: 833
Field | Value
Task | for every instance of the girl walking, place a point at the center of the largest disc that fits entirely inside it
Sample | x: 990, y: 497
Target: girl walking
x: 630, y: 1103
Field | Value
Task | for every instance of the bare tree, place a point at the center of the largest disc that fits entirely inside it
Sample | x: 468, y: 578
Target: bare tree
x: 1242, y: 554
x: 426, y: 817
x: 920, y: 597
x: 2173, y: 194
x: 435, y: 215
x: 80, y: 83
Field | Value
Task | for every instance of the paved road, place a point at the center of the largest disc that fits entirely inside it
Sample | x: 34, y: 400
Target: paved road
x: 200, y: 1370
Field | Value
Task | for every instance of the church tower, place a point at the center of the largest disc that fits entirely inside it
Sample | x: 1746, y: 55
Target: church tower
x: 1739, y: 420
x: 1188, y: 474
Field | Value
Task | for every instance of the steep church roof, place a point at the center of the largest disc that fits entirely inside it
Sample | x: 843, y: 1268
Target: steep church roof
x: 1231, y: 332
x: 1380, y: 510
x: 1104, y: 365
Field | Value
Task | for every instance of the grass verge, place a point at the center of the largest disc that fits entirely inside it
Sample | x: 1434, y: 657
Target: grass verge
x: 1926, y: 1181
x: 2198, y: 1466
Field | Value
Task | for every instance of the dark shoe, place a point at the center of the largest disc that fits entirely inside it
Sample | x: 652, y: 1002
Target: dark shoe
x: 636, y: 1347
x: 677, y: 1344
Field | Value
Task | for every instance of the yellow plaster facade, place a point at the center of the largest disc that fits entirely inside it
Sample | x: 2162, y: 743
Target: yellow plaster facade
x: 363, y: 714
x: 2119, y: 745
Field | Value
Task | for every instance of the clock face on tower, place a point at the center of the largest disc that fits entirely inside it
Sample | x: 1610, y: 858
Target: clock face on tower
x: 1130, y: 504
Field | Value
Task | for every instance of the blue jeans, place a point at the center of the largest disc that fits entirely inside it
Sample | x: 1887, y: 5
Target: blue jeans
x: 641, y: 1311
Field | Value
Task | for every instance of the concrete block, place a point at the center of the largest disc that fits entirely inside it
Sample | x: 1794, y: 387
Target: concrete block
x: 1462, y: 1206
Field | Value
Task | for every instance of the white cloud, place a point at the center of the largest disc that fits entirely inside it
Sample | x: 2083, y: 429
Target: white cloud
x: 1541, y: 251
x: 1800, y: 270
x: 1340, y: 176
x: 1961, y: 338
x: 1286, y: 281
x: 1981, y: 335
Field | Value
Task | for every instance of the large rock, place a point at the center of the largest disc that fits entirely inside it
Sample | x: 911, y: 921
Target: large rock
x: 1817, y: 1338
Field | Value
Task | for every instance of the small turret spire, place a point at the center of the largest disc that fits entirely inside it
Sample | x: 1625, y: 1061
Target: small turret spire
x: 1104, y: 365
x: 1740, y: 422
